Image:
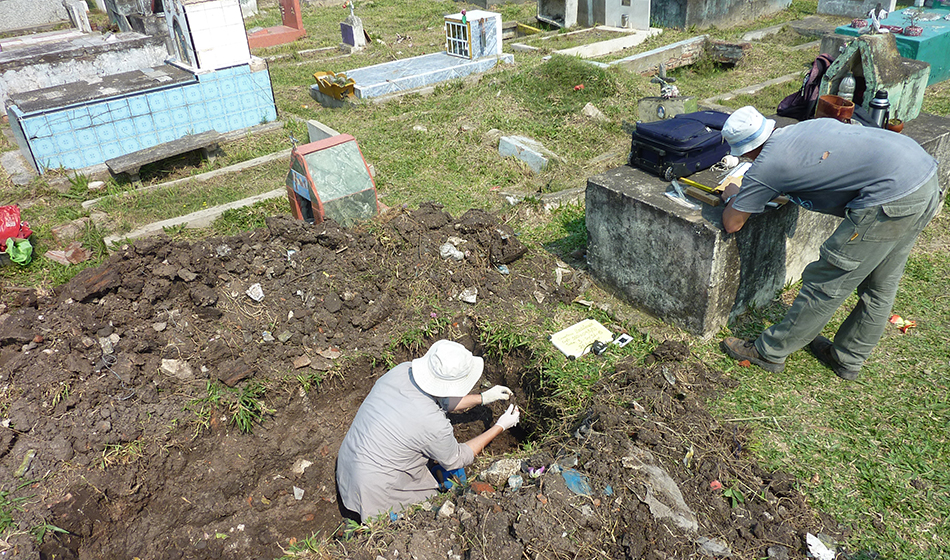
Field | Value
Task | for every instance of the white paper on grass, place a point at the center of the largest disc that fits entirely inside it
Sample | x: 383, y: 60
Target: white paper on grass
x: 576, y: 340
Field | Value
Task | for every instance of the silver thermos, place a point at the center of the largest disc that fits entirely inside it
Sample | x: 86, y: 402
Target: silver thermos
x: 879, y: 108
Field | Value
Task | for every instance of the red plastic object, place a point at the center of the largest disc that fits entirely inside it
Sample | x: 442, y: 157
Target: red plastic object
x: 12, y: 226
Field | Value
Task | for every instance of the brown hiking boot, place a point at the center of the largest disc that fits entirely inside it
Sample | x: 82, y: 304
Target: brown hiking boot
x: 821, y: 347
x: 745, y: 350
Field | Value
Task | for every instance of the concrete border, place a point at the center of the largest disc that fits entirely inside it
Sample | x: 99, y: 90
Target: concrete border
x: 195, y: 220
x: 283, y: 154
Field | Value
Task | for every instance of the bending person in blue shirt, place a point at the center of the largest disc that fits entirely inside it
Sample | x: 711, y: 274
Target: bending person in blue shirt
x: 885, y: 187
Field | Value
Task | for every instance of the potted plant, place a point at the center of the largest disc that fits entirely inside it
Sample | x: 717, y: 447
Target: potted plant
x: 913, y: 17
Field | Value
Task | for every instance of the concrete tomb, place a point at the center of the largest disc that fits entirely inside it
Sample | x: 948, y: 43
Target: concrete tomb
x: 678, y: 263
x: 627, y: 14
x: 290, y: 30
x: 852, y: 8
x: 210, y: 84
x: 27, y: 66
x: 876, y: 64
x: 472, y: 44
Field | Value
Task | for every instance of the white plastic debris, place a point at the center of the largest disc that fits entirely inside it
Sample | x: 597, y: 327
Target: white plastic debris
x: 818, y: 548
x: 255, y: 292
x: 298, y: 493
x: 447, y: 509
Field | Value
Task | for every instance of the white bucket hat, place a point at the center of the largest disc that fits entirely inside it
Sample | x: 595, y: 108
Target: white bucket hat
x: 746, y: 130
x: 448, y: 369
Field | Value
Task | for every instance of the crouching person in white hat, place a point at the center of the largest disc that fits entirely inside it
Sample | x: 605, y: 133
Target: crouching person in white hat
x: 885, y: 187
x: 402, y: 426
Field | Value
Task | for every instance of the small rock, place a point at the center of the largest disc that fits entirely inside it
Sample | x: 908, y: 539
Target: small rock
x: 447, y: 509
x: 469, y: 295
x: 284, y: 336
x: 301, y: 361
x: 187, y: 275
x: 106, y: 345
x: 515, y: 482
x: 592, y: 112
x: 449, y: 251
x: 586, y: 510
x: 160, y: 326
x: 178, y: 369
x: 464, y: 515
x: 300, y: 465
x: 266, y: 336
x: 298, y: 493
x: 499, y: 471
x: 542, y: 498
x: 778, y: 552
x: 713, y: 547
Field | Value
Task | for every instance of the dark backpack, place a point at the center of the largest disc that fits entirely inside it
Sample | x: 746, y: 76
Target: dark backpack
x: 801, y: 104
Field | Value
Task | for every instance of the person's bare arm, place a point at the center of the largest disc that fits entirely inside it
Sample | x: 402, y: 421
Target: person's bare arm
x: 506, y: 421
x: 478, y: 443
x: 732, y: 219
x: 467, y: 402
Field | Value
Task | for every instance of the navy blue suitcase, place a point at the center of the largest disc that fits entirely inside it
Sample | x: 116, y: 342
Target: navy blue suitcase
x: 680, y: 146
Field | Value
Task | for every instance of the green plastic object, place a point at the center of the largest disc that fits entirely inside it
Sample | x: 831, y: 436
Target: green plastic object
x: 20, y: 251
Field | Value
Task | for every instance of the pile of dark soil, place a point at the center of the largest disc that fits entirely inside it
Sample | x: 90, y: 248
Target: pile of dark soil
x: 124, y: 393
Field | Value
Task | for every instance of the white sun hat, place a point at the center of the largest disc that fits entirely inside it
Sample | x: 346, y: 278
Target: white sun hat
x: 746, y: 130
x: 448, y: 369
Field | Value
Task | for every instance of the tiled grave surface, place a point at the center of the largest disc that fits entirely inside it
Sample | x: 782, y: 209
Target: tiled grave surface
x: 932, y: 46
x: 418, y: 71
x: 83, y: 124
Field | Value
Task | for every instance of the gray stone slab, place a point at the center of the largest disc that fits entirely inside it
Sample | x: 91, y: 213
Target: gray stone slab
x: 316, y: 131
x: 530, y: 151
x: 116, y: 85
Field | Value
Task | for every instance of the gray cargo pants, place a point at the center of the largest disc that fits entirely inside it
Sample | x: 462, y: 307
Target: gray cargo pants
x: 866, y: 253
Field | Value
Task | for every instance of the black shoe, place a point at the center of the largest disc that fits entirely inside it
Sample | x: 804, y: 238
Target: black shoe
x: 821, y: 347
x: 745, y: 350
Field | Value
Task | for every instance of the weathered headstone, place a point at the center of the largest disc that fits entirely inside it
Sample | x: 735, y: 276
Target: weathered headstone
x: 351, y: 29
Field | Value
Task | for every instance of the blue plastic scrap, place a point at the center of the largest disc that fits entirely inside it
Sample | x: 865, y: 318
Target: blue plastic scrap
x: 576, y: 482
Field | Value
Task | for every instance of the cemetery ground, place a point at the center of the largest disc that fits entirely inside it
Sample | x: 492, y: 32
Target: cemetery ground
x: 216, y: 411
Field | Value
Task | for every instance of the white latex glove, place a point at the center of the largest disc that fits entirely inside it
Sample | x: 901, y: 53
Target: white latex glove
x: 509, y: 418
x: 496, y: 393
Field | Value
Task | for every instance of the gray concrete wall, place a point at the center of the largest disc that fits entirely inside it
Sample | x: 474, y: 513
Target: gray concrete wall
x: 852, y: 8
x: 43, y: 66
x: 24, y: 14
x: 707, y: 13
x: 933, y: 133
